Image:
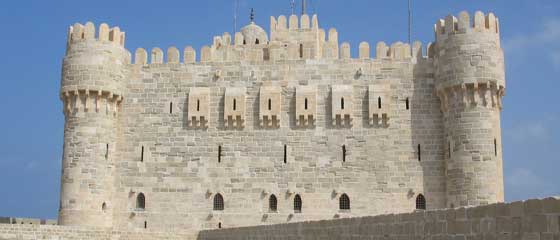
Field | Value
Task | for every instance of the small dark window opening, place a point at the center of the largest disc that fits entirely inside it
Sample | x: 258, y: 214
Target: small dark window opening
x: 219, y: 154
x: 495, y: 147
x: 244, y: 42
x: 142, y: 155
x: 107, y: 151
x: 420, y: 202
x: 220, y: 225
x: 266, y: 54
x: 234, y: 104
x: 344, y: 202
x: 305, y: 103
x: 379, y: 102
x: 198, y: 105
x: 297, y: 204
x: 301, y: 51
x: 269, y: 104
x: 343, y: 153
x: 285, y: 153
x: 257, y: 41
x: 218, y: 202
x: 170, y: 107
x: 273, y: 203
x: 141, y: 201
x: 145, y: 224
x: 419, y: 153
x: 342, y: 103
x: 407, y: 102
x: 104, y: 207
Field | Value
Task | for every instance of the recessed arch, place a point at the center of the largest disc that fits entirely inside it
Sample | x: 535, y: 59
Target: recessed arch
x: 297, y: 204
x: 272, y: 203
x: 344, y: 202
x: 420, y: 202
x: 218, y: 202
x: 141, y: 201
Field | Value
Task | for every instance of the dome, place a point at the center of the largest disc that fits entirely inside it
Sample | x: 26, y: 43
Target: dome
x: 254, y: 34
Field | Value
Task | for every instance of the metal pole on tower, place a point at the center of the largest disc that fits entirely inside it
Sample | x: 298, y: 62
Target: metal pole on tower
x: 303, y: 7
x: 293, y: 6
x: 410, y: 22
x: 235, y: 8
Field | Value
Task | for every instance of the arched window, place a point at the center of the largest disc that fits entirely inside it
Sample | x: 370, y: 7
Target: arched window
x: 305, y: 104
x: 344, y: 202
x: 272, y: 203
x: 297, y: 203
x: 342, y: 103
x: 257, y: 41
x: 218, y: 202
x: 420, y: 202
x: 141, y: 201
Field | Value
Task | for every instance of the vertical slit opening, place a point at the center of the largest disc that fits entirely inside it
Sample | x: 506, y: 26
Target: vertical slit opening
x: 198, y: 105
x: 419, y: 153
x: 342, y: 103
x: 220, y: 154
x: 449, y: 149
x: 269, y: 104
x: 142, y: 155
x: 379, y: 102
x: 107, y: 152
x: 343, y: 153
x: 301, y: 51
x: 305, y: 103
x: 285, y: 153
x: 407, y: 102
x: 234, y: 104
x: 145, y: 224
x: 495, y: 147
x: 170, y: 107
x: 220, y: 223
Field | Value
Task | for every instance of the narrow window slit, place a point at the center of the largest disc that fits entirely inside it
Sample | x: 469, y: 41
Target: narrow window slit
x: 419, y: 153
x: 343, y: 153
x: 234, y: 104
x: 342, y: 103
x: 285, y: 153
x: 145, y: 224
x: 170, y: 107
x: 107, y: 152
x: 305, y: 104
x: 301, y: 51
x: 142, y: 155
x: 198, y: 105
x: 269, y: 104
x: 219, y: 154
x: 379, y: 102
x: 495, y: 147
x: 407, y: 102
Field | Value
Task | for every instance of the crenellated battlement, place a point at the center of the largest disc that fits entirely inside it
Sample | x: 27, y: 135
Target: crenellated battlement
x: 295, y: 23
x: 79, y: 32
x: 480, y: 23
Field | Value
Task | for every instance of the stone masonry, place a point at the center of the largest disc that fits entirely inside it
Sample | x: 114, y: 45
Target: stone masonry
x: 261, y: 120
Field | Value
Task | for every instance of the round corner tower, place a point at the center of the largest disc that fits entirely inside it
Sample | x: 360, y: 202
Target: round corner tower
x: 470, y: 82
x: 93, y: 75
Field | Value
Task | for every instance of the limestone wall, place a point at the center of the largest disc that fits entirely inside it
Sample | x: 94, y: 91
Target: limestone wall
x: 532, y: 219
x: 46, y: 232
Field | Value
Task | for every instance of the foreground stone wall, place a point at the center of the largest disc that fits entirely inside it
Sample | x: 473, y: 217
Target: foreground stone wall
x: 532, y: 219
x: 32, y: 232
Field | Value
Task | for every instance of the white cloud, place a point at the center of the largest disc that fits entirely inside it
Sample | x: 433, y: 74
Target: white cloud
x: 547, y: 38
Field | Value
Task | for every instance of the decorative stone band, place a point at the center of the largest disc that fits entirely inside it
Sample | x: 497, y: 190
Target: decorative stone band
x: 486, y: 94
x: 91, y: 101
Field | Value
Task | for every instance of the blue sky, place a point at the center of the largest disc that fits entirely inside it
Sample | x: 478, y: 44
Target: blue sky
x: 34, y: 36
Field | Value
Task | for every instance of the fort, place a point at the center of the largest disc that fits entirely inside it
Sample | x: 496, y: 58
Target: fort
x: 284, y: 135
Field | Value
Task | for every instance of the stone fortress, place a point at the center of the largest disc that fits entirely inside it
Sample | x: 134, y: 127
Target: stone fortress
x: 284, y: 128
x: 281, y: 128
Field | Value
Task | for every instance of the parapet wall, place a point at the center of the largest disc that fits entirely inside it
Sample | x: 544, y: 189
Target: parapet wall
x: 531, y: 219
x: 33, y: 232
